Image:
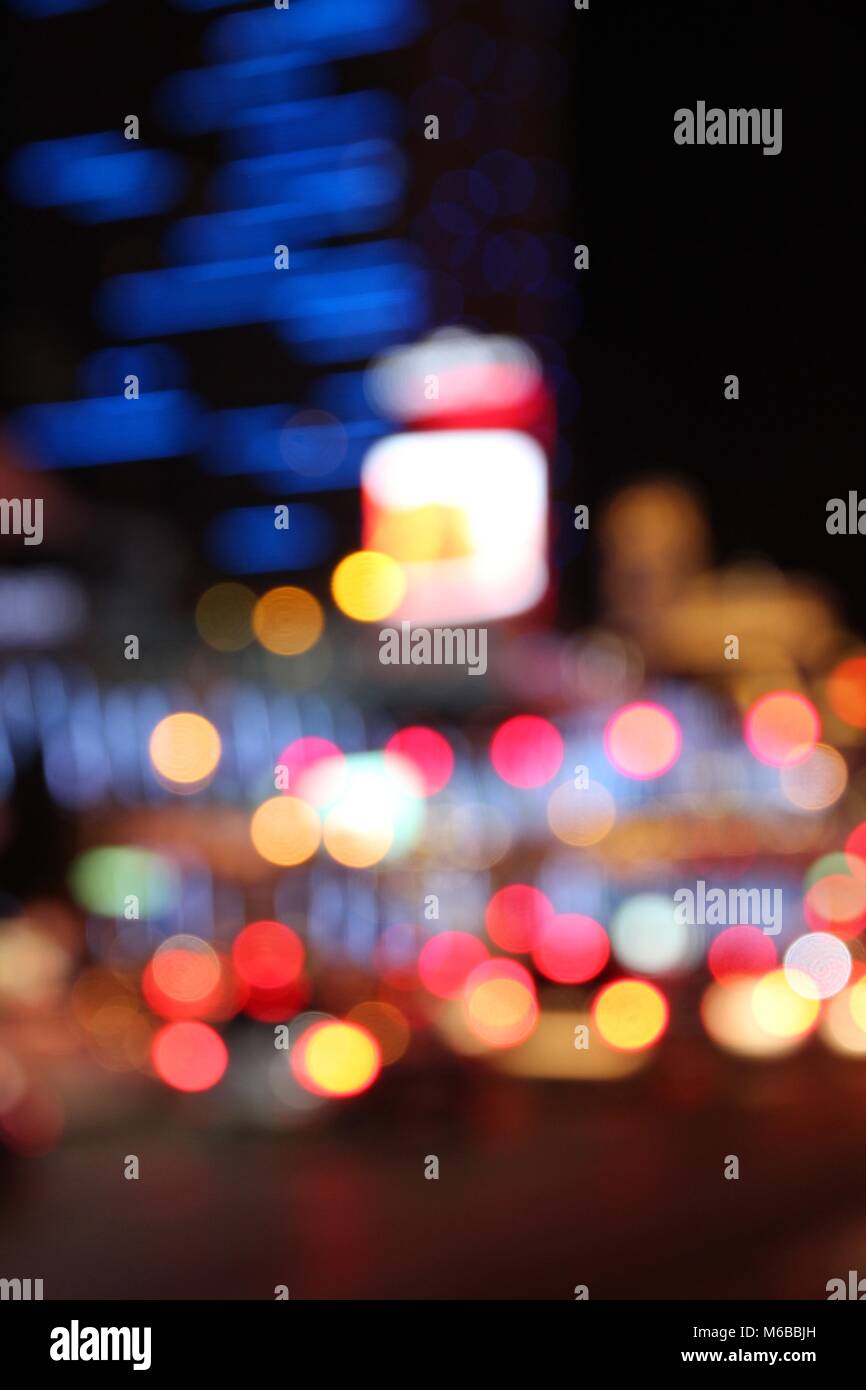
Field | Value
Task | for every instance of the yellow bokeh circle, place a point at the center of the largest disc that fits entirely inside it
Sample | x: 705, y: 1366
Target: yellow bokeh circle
x: 288, y: 621
x: 184, y: 750
x: 285, y: 830
x: 368, y: 585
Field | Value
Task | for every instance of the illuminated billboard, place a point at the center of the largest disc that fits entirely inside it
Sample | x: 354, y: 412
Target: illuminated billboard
x: 465, y: 514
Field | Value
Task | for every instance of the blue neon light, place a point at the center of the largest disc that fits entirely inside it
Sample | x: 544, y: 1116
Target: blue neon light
x: 331, y: 120
x: 378, y: 281
x: 157, y: 366
x: 339, y: 28
x: 99, y: 178
x: 363, y: 171
x: 241, y: 233
x: 111, y: 429
x: 244, y: 540
x: 203, y: 99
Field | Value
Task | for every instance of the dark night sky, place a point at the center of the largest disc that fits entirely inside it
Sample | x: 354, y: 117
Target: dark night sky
x: 707, y: 261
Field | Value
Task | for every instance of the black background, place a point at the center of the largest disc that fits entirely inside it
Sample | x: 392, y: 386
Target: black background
x: 714, y: 260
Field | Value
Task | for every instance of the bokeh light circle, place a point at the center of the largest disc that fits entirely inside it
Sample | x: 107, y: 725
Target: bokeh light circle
x: 642, y: 740
x: 338, y: 1059
x: 781, y: 728
x: 368, y: 585
x: 846, y: 691
x: 817, y: 781
x: 268, y: 955
x: 288, y: 621
x: 836, y: 902
x: 741, y: 950
x: 817, y: 965
x: 515, y: 915
x: 630, y: 1015
x: 447, y: 959
x: 299, y: 757
x: 180, y: 982
x: 782, y: 1010
x: 186, y: 969
x: 189, y: 1056
x: 429, y: 751
x: 285, y: 830
x: 322, y: 781
x: 526, y: 751
x: 185, y: 749
x: 500, y: 1004
x: 571, y: 948
x: 648, y: 936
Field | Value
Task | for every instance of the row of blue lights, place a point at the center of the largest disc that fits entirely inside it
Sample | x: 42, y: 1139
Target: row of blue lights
x: 304, y: 163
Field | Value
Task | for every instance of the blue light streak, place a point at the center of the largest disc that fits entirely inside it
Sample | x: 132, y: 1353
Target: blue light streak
x: 110, y: 429
x: 339, y: 28
x: 157, y: 366
x: 97, y: 178
x: 324, y: 177
x: 244, y: 540
x: 297, y: 125
x: 203, y: 99
x: 369, y: 292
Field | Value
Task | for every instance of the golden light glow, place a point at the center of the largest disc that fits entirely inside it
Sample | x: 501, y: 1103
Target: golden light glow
x: 285, y: 830
x: 841, y: 1028
x: 501, y: 1011
x: 857, y: 1003
x: 432, y: 532
x: 355, y: 842
x: 336, y: 1059
x: 223, y: 616
x: 185, y: 749
x: 781, y: 1010
x: 288, y: 621
x: 728, y: 1016
x: 552, y: 1052
x: 630, y: 1014
x: 368, y: 585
